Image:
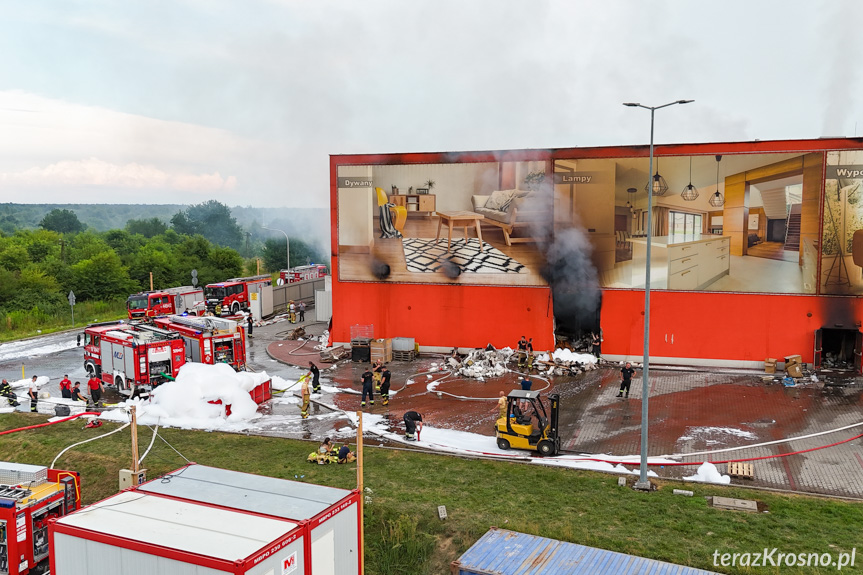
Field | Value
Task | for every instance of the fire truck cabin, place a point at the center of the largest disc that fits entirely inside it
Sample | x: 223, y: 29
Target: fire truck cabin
x: 130, y: 357
x: 167, y: 301
x: 231, y: 296
x: 300, y: 273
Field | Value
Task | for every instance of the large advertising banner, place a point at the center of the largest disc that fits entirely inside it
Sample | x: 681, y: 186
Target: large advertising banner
x: 747, y: 223
x: 842, y: 236
x: 463, y: 223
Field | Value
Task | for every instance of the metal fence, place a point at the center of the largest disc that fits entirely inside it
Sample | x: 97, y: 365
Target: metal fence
x: 297, y: 291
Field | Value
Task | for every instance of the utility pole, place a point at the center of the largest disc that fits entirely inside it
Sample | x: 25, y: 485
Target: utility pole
x: 360, y: 489
x: 72, y: 305
x: 134, y: 441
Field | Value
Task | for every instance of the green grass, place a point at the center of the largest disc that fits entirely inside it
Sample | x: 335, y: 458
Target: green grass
x: 404, y: 534
x: 18, y: 325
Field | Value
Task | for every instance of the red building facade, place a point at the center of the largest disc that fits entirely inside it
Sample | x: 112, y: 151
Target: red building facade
x: 764, y: 262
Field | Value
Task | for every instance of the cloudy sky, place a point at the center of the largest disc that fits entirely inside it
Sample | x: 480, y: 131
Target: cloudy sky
x: 182, y: 101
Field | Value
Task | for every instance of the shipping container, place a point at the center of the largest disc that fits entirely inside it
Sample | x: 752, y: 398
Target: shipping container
x: 504, y: 552
x: 203, y: 520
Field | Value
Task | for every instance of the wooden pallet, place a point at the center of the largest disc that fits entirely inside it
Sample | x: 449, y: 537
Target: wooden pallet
x: 740, y: 469
x: 404, y: 355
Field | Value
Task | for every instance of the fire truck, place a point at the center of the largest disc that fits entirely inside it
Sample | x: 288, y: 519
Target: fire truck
x: 132, y: 357
x: 232, y: 295
x: 30, y: 496
x: 167, y: 301
x: 209, y: 339
x: 300, y: 273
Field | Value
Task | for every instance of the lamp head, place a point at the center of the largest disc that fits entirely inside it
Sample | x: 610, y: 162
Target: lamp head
x: 631, y: 104
x: 684, y: 101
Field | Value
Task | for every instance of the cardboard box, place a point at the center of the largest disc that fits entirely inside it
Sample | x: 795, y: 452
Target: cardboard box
x: 794, y: 370
x: 770, y: 365
x: 382, y: 349
x: 792, y: 360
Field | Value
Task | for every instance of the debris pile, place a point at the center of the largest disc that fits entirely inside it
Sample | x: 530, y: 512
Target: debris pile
x: 482, y: 363
x: 565, y: 362
x: 296, y: 333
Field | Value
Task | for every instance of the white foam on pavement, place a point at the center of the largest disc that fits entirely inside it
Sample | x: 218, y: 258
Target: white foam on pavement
x: 708, y: 473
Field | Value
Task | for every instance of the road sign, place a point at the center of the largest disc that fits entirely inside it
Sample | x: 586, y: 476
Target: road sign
x: 72, y: 305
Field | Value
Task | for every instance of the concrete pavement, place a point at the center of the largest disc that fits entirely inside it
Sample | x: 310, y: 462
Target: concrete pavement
x: 690, y: 411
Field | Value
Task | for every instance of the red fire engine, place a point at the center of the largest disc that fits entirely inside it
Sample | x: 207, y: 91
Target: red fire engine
x: 300, y: 273
x: 132, y: 357
x: 167, y: 301
x: 232, y: 295
x: 30, y: 495
x: 209, y: 339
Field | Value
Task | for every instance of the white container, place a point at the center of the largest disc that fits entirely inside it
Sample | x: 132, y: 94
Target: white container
x: 202, y: 519
x: 403, y: 344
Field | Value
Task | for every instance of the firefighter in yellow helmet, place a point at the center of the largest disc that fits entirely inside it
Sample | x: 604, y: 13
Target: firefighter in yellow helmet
x: 304, y: 391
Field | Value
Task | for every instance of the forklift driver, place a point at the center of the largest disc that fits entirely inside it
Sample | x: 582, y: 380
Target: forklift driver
x: 521, y: 418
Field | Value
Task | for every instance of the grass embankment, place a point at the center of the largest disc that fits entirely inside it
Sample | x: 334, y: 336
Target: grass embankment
x: 19, y: 324
x: 403, y: 533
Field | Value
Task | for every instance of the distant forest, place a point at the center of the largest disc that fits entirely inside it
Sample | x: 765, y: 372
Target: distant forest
x: 104, y: 252
x: 312, y: 224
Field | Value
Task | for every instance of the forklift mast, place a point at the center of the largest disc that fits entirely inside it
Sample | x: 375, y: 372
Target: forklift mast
x: 554, y: 400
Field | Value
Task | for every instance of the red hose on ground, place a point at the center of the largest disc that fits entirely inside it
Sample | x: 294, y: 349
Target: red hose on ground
x: 49, y: 422
x: 727, y: 460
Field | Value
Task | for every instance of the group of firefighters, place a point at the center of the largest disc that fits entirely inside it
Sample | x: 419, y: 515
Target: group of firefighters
x: 296, y: 311
x: 68, y: 390
x: 377, y: 378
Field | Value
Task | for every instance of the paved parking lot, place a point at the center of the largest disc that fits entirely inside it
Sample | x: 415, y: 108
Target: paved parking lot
x: 690, y: 411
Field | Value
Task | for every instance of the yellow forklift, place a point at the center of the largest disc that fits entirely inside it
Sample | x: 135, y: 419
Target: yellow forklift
x: 528, y: 425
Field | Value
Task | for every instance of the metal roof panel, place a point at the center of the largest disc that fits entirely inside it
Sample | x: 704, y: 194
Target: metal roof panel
x: 182, y: 525
x: 255, y: 493
x: 505, y: 552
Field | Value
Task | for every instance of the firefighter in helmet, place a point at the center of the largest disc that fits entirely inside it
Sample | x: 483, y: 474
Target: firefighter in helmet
x: 6, y: 391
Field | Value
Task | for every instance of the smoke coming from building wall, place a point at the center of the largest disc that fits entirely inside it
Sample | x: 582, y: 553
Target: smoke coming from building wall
x: 571, y: 274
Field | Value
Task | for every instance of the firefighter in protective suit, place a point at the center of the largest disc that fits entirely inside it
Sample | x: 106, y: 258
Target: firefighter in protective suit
x: 6, y: 391
x: 292, y: 312
x: 304, y: 391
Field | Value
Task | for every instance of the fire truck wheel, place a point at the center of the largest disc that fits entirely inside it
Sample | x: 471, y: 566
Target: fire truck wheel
x: 235, y: 308
x: 118, y: 381
x: 91, y: 369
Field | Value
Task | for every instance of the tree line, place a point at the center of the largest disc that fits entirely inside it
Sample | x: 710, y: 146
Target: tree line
x: 38, y: 267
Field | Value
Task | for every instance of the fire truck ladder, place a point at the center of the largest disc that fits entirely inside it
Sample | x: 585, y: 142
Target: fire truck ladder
x: 201, y: 323
x: 163, y: 333
x: 12, y: 492
x: 250, y: 278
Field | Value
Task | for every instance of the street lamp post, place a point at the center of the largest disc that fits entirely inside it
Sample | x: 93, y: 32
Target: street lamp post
x: 287, y: 241
x: 643, y: 483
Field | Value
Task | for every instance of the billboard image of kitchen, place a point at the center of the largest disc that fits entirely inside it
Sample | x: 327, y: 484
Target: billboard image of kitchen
x: 733, y: 223
x: 743, y: 222
x: 480, y: 223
